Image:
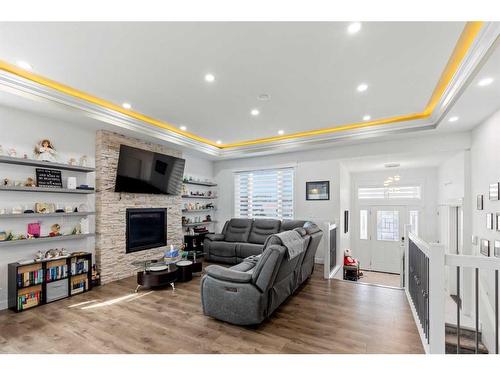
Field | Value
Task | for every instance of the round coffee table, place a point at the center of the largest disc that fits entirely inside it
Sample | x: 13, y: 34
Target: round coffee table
x: 156, y: 274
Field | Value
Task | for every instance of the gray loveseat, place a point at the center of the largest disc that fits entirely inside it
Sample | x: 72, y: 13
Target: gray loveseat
x: 241, y: 238
x: 252, y: 290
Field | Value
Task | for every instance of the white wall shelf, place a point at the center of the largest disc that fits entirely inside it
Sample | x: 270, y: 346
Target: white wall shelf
x: 200, y: 183
x: 198, y: 224
x: 46, y: 239
x: 46, y: 190
x: 198, y: 197
x: 54, y: 214
x: 44, y: 164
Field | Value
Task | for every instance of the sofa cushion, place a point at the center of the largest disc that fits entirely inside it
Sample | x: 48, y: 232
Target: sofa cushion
x: 291, y: 224
x: 237, y: 230
x: 223, y: 249
x: 244, y: 250
x: 263, y: 228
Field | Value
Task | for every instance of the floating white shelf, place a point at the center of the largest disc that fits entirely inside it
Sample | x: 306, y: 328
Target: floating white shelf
x: 54, y: 214
x: 46, y: 190
x: 44, y: 164
x: 200, y: 183
x: 198, y: 197
x: 45, y: 239
x: 198, y: 224
x: 195, y: 211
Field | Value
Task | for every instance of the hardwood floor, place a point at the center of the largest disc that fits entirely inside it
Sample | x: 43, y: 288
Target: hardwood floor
x: 323, y: 317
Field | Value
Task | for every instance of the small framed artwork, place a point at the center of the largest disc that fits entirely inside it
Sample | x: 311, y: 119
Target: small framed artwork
x: 497, y: 219
x: 494, y: 189
x: 318, y: 190
x: 496, y: 249
x: 480, y: 202
x: 485, y: 247
x: 346, y: 221
x: 489, y: 221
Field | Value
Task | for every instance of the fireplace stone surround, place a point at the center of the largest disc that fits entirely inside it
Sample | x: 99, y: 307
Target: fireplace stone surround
x: 111, y: 258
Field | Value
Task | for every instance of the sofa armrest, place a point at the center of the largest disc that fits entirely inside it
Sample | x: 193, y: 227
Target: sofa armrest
x: 227, y: 274
x: 215, y: 237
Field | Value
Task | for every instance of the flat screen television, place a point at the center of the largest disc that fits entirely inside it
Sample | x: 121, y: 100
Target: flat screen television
x: 147, y: 172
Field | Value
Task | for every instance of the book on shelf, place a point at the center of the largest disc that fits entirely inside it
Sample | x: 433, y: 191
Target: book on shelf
x: 29, y: 278
x: 79, y: 266
x: 79, y: 286
x: 57, y: 272
x: 27, y: 300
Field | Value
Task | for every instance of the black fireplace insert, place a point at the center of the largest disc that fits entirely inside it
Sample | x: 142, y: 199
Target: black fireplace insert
x: 146, y: 228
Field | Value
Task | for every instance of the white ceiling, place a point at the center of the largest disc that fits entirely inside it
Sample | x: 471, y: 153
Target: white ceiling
x: 408, y: 160
x: 310, y: 70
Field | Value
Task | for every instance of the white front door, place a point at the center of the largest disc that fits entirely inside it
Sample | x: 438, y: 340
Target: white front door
x: 387, y: 224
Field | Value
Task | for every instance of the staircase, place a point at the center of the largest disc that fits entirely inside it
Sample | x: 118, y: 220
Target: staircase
x: 467, y: 341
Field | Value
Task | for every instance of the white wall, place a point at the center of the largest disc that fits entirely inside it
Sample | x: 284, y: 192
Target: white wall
x: 451, y: 179
x: 485, y: 169
x: 22, y: 130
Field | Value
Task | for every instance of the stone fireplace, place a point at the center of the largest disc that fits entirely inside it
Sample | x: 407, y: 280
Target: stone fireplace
x: 112, y: 258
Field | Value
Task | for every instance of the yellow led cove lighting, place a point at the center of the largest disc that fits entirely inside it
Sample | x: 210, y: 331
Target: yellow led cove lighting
x: 465, y: 41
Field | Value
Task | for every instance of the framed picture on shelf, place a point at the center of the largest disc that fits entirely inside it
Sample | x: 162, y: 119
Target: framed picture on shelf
x: 489, y: 221
x: 496, y: 249
x: 318, y: 190
x: 494, y: 189
x: 485, y: 247
x: 480, y: 202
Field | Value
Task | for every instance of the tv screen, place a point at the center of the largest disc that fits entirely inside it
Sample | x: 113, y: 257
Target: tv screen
x: 142, y: 171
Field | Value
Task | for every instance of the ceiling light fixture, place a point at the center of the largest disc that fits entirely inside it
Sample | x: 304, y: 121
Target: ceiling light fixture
x: 281, y: 132
x: 354, y: 27
x: 219, y: 142
x: 24, y: 65
x: 183, y: 128
x: 453, y: 118
x: 367, y: 117
x: 209, y: 77
x: 485, y: 81
x: 126, y: 105
x: 362, y: 87
x: 255, y: 112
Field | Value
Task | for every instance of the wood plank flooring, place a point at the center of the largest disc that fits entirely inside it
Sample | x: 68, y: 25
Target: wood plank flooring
x: 322, y: 317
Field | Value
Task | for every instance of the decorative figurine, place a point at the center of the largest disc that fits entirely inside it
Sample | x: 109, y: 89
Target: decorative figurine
x: 55, y: 230
x: 83, y: 161
x: 12, y: 152
x: 17, y: 210
x: 25, y: 156
x: 38, y: 256
x: 34, y: 229
x: 72, y: 161
x: 45, y: 151
x: 6, y: 181
x: 30, y: 182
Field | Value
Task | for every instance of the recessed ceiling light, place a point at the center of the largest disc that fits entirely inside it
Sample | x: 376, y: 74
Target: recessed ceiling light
x: 391, y: 165
x: 209, y: 77
x: 367, y: 117
x: 264, y: 97
x: 362, y: 87
x: 485, y: 81
x: 126, y: 105
x: 354, y: 27
x: 281, y: 132
x: 255, y: 112
x: 183, y: 128
x: 453, y: 118
x: 218, y: 142
x: 24, y: 65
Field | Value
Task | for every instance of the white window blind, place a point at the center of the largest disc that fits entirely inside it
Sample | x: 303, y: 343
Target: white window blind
x: 397, y: 192
x: 264, y: 194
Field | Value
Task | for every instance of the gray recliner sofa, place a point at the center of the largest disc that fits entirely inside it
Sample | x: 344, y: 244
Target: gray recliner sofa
x: 249, y: 292
x: 241, y: 238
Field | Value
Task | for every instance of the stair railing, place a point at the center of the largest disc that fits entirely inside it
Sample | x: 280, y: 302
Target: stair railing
x: 425, y: 289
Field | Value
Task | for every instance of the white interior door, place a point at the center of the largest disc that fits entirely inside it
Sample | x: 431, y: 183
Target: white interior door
x: 387, y: 223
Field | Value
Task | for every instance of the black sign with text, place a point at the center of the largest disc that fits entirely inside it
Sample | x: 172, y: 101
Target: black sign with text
x: 48, y: 178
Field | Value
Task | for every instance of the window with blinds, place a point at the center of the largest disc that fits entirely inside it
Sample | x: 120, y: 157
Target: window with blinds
x: 396, y: 192
x: 264, y: 194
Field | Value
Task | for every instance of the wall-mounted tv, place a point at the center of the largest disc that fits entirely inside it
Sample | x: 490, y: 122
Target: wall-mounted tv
x: 147, y: 172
